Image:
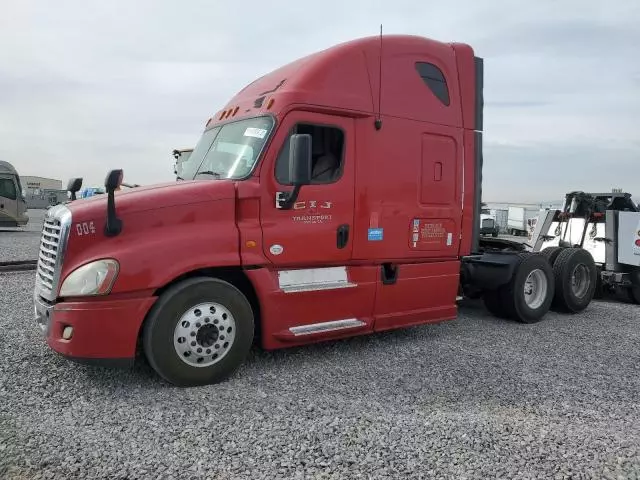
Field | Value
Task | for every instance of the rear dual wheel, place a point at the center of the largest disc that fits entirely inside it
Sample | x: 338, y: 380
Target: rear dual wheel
x: 527, y: 297
x: 634, y: 294
x: 576, y: 278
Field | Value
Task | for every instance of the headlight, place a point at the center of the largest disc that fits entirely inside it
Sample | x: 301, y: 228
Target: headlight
x: 95, y: 278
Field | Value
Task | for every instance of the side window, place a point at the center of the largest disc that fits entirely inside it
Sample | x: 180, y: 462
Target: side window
x: 8, y: 189
x: 433, y: 78
x: 327, y: 156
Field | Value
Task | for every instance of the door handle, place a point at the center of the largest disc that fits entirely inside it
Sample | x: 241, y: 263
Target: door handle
x: 343, y: 236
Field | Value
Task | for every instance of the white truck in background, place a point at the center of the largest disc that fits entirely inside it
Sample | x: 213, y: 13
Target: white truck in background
x: 488, y: 225
x: 520, y: 220
x: 607, y: 225
x: 13, y: 205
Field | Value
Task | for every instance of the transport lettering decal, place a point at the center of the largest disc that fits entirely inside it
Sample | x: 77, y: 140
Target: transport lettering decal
x: 255, y: 132
x: 312, y: 212
x: 85, y: 228
x: 431, y: 233
x: 375, y: 234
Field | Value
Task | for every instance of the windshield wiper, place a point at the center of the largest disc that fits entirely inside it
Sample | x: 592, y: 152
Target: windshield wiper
x: 209, y: 172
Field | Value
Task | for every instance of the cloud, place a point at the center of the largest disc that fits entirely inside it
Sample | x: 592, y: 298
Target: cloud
x: 85, y: 87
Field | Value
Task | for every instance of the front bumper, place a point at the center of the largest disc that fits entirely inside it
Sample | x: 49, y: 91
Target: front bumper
x: 104, y: 331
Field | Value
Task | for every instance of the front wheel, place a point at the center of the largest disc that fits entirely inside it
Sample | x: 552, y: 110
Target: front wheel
x: 198, y: 332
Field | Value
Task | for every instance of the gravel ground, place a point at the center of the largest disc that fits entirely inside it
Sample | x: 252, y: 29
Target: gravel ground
x: 473, y: 398
x: 22, y: 243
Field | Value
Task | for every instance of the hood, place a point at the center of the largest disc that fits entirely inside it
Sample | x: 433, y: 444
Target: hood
x: 152, y: 197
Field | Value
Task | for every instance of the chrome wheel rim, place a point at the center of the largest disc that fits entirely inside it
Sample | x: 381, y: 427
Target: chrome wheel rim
x: 204, y: 334
x: 580, y: 280
x: 535, y: 289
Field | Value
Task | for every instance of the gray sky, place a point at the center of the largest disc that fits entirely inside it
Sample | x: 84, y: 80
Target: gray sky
x: 89, y: 86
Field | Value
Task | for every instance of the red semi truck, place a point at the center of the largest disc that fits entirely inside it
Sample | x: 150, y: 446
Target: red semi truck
x: 338, y: 195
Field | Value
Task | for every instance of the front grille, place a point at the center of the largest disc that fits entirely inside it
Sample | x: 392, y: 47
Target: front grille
x: 49, y: 243
x: 53, y: 242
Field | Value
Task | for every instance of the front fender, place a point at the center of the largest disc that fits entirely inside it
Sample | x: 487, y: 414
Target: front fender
x: 157, y: 246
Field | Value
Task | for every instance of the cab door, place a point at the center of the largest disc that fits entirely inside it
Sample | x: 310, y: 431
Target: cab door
x: 8, y: 200
x: 318, y: 229
x: 310, y: 291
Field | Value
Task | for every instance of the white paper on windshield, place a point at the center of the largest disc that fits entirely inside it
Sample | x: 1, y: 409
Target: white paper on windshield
x: 255, y: 132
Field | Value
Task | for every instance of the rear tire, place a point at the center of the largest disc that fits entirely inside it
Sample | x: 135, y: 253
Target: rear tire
x: 198, y: 332
x: 575, y: 275
x: 527, y: 296
x: 493, y: 302
x: 551, y: 253
x: 634, y: 294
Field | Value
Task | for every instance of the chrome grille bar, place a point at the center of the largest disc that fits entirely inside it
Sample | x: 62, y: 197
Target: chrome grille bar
x: 53, y: 244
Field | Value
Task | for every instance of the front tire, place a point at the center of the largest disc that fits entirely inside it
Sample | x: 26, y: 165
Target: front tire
x: 198, y: 332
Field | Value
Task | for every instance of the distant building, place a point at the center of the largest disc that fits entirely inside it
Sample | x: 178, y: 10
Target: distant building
x: 41, y: 192
x: 33, y: 184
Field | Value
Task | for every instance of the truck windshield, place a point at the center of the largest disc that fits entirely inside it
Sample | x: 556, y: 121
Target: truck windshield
x: 228, y: 151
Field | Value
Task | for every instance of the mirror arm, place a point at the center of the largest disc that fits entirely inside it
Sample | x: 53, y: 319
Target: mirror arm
x: 114, y: 224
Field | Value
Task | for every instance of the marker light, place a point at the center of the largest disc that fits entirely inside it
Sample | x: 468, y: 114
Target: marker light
x: 270, y: 103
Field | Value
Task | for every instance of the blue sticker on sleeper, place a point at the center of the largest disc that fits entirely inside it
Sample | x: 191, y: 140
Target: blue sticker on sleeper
x: 375, y: 234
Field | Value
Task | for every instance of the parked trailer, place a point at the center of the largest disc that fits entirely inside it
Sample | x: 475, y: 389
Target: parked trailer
x: 502, y: 217
x: 289, y: 202
x: 607, y: 225
x: 519, y: 221
x: 13, y: 205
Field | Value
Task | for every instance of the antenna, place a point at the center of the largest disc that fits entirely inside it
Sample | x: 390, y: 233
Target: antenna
x: 378, y: 122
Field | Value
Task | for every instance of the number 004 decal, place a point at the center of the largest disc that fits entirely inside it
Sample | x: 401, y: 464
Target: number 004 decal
x: 85, y: 228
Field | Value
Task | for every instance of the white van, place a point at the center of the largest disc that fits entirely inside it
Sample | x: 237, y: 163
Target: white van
x: 13, y: 205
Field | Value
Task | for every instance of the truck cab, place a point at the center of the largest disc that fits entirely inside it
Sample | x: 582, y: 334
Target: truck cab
x: 338, y: 195
x: 13, y: 205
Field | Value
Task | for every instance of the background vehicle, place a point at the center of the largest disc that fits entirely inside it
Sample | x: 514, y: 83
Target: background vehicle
x: 181, y: 156
x: 13, y: 205
x: 519, y: 219
x: 488, y: 225
x: 298, y: 221
x: 607, y: 225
